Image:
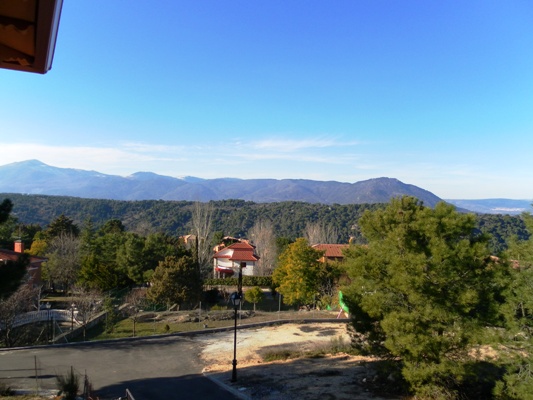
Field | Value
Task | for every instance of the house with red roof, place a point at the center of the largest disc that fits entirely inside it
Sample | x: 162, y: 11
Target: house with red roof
x: 34, y: 267
x: 228, y: 260
x: 332, y: 252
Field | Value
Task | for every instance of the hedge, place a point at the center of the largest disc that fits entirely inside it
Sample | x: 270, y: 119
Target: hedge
x: 261, y: 281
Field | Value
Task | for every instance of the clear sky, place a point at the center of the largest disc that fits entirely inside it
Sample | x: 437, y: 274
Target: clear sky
x: 438, y: 94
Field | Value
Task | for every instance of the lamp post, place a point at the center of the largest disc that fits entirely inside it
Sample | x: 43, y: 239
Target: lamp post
x: 49, y: 338
x: 72, y: 316
x: 236, y: 298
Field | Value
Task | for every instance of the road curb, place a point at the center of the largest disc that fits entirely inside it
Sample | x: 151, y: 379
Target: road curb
x: 213, y: 378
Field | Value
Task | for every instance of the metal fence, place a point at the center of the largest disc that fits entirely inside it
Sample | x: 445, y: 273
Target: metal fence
x: 44, y: 315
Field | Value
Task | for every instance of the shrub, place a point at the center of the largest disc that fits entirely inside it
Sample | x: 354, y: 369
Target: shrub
x: 68, y: 385
x: 254, y: 295
x: 5, y: 390
x: 337, y: 345
x: 517, y: 383
x: 262, y: 281
x: 211, y: 296
x: 280, y: 355
x: 216, y: 307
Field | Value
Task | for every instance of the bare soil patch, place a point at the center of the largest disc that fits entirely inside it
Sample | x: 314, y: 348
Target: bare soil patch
x: 340, y: 376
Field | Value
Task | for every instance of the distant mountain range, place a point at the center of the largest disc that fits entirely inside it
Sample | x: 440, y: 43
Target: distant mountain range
x: 35, y: 177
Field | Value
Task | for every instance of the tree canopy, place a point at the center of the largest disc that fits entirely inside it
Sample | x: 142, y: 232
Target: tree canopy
x: 423, y: 289
x: 297, y: 274
x: 176, y: 281
x: 62, y: 225
x: 5, y: 208
x: 517, y: 382
x: 254, y: 295
x: 232, y: 217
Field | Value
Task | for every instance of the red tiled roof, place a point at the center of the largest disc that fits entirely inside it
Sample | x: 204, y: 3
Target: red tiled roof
x: 14, y: 256
x: 238, y: 252
x: 331, y: 250
x: 9, y: 255
x: 243, y: 255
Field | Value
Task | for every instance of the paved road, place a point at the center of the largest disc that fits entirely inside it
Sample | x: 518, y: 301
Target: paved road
x: 152, y: 368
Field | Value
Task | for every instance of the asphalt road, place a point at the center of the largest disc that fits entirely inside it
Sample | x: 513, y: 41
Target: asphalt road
x: 151, y: 368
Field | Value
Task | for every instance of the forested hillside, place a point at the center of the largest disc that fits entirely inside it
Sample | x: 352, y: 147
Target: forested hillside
x: 231, y: 217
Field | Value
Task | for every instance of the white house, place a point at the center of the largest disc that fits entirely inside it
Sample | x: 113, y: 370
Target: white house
x: 227, y: 261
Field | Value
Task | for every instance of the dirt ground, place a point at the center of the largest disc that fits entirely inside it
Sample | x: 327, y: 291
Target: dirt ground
x: 338, y: 377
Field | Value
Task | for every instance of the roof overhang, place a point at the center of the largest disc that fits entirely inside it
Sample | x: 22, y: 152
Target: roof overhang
x: 227, y: 271
x: 28, y: 33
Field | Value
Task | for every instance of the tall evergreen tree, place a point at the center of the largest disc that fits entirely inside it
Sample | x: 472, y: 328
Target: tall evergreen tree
x: 424, y: 287
x: 62, y: 225
x: 517, y: 382
x: 176, y: 281
x: 5, y: 209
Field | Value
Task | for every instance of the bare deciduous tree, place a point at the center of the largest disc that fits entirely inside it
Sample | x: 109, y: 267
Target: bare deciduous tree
x: 143, y: 228
x: 202, y: 218
x: 89, y: 302
x: 320, y: 233
x: 18, y: 303
x: 262, y: 236
x: 135, y: 302
x: 64, y: 261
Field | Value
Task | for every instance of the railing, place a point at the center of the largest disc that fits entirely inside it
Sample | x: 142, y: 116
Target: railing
x: 44, y: 315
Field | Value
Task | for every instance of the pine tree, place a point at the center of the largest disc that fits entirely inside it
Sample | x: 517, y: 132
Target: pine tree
x: 424, y: 287
x: 175, y: 281
x: 517, y: 382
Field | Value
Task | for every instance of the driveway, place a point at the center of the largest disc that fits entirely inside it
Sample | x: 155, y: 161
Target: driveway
x: 151, y: 368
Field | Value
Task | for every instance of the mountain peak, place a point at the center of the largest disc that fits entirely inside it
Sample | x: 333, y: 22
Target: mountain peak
x: 29, y: 163
x: 31, y: 177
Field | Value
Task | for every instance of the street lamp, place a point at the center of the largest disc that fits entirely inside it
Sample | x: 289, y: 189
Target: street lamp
x: 72, y: 306
x: 48, y: 322
x: 236, y: 301
x: 236, y: 298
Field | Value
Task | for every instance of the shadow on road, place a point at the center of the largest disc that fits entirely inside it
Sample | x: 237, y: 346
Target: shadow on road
x: 192, y: 387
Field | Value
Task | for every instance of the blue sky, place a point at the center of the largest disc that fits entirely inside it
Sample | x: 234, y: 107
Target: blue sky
x: 436, y: 94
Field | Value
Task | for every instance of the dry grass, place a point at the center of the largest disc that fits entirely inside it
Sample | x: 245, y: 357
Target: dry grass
x: 335, y: 346
x: 174, y: 322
